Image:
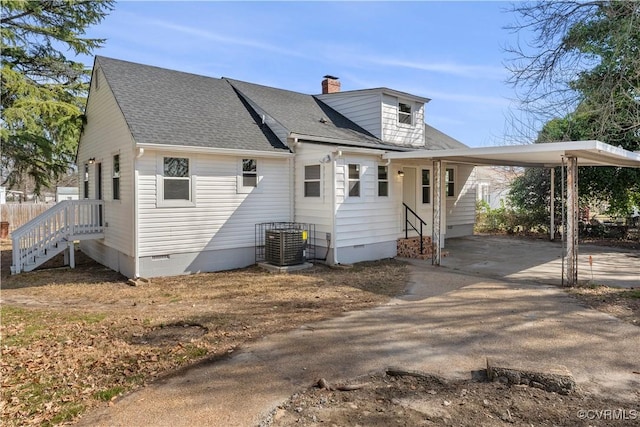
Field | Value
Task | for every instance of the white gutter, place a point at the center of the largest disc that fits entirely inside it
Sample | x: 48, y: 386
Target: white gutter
x: 347, y: 143
x: 213, y: 150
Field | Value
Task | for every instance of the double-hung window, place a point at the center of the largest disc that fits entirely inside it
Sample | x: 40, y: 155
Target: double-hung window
x: 176, y: 179
x: 405, y: 115
x: 312, y: 181
x: 86, y: 181
x: 383, y: 181
x: 249, y: 173
x: 116, y: 177
x: 426, y: 186
x: 354, y: 180
x: 449, y: 179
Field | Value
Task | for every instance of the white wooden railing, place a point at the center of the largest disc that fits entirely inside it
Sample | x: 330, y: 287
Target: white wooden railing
x: 54, y: 231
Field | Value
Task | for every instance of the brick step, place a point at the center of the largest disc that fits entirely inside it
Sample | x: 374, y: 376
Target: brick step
x: 410, y: 248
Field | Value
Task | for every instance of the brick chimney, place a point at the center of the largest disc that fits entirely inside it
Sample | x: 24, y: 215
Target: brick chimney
x: 330, y: 84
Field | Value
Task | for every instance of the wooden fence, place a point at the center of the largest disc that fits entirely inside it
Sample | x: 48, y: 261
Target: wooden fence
x: 17, y: 214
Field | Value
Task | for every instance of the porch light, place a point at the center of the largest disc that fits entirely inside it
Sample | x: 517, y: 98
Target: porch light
x: 400, y: 174
x: 92, y: 160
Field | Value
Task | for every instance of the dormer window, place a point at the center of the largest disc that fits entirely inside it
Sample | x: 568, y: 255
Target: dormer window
x: 405, y: 116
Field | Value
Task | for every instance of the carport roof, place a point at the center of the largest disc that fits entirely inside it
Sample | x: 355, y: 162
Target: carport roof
x: 588, y: 153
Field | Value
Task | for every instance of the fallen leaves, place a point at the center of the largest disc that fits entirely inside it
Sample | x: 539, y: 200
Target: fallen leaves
x: 71, y: 345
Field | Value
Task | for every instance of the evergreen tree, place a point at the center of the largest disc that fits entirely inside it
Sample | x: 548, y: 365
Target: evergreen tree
x: 43, y: 92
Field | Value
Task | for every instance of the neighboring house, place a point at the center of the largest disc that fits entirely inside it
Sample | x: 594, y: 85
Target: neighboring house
x: 67, y: 193
x: 494, y: 183
x: 187, y: 165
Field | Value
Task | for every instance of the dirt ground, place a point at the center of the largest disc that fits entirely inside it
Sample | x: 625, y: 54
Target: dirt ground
x: 73, y: 339
x: 76, y: 339
x: 424, y: 400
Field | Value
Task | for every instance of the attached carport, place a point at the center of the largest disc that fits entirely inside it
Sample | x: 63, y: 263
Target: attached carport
x: 549, y: 155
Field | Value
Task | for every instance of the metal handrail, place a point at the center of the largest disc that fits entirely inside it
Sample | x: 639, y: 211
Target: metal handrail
x: 407, y: 209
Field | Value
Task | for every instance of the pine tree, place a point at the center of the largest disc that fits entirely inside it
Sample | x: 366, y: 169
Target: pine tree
x: 43, y: 91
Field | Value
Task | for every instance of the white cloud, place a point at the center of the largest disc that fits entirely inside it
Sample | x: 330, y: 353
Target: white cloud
x: 468, y: 98
x: 219, y: 38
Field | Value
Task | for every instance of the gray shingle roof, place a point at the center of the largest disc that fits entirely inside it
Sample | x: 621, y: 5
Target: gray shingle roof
x: 170, y: 107
x: 437, y: 140
x: 307, y: 115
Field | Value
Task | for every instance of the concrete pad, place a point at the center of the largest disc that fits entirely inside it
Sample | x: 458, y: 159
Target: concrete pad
x: 540, y: 261
x: 285, y: 268
x: 447, y: 326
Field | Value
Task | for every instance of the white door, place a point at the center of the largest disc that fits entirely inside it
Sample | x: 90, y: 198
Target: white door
x: 408, y: 193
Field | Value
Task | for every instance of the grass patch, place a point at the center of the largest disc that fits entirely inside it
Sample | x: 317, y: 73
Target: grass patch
x: 108, y: 394
x: 67, y: 413
x: 634, y: 293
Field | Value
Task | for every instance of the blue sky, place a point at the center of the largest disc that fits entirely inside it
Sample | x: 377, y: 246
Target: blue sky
x: 451, y: 52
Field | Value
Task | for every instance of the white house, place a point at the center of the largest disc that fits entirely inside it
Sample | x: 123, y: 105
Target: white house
x: 67, y: 193
x: 494, y: 182
x: 177, y: 169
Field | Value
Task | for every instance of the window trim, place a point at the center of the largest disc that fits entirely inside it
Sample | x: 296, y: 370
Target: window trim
x: 423, y: 186
x: 409, y: 114
x: 379, y: 181
x: 115, y: 177
x: 452, y: 182
x: 85, y: 188
x: 350, y: 180
x: 312, y: 180
x: 161, y: 202
x: 246, y: 189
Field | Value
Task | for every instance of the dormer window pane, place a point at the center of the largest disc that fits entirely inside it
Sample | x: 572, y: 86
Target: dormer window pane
x: 404, y: 114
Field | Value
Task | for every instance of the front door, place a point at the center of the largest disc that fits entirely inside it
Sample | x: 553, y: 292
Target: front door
x: 408, y: 192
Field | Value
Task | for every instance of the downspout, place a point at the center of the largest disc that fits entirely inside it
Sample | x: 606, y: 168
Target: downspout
x: 292, y: 189
x: 334, y: 208
x: 292, y: 181
x: 136, y: 234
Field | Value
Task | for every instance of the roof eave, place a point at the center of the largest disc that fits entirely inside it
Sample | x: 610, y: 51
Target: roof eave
x: 589, y: 153
x: 297, y: 137
x: 214, y: 150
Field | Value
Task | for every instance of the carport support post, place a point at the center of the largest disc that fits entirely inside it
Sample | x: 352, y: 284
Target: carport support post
x: 437, y: 211
x: 572, y: 221
x: 552, y: 213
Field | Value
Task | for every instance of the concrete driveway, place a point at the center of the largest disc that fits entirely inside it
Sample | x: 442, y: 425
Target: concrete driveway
x: 540, y: 261
x: 448, y: 323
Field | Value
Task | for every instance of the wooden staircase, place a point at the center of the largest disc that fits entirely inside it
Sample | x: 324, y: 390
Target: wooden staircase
x: 55, y: 231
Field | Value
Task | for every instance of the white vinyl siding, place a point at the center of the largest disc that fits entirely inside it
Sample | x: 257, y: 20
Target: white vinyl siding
x: 462, y: 207
x: 105, y: 133
x: 361, y: 108
x: 367, y: 219
x: 400, y: 133
x: 222, y: 218
x: 314, y: 210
